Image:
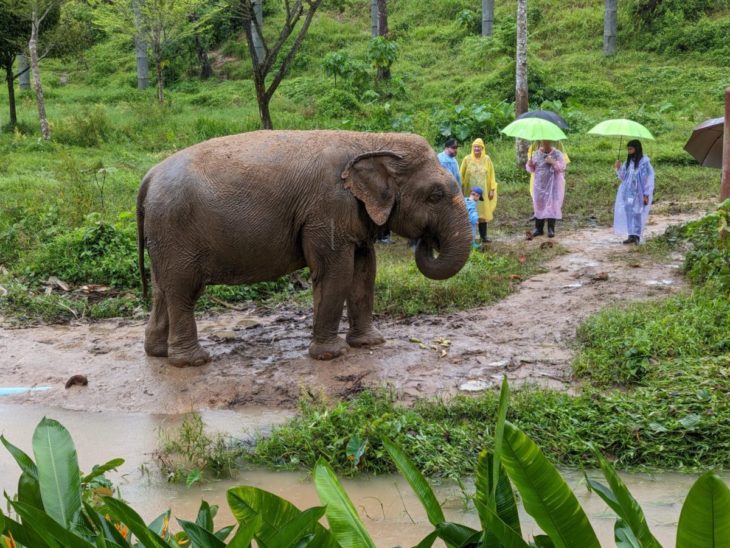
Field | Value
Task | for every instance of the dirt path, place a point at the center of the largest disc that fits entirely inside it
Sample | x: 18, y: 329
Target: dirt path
x: 260, y: 358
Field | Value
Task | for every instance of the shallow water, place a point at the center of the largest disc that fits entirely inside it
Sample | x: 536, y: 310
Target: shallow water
x: 391, y: 512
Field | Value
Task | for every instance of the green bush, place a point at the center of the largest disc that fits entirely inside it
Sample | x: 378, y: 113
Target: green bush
x: 708, y: 260
x: 89, y: 128
x: 97, y: 252
x: 466, y: 123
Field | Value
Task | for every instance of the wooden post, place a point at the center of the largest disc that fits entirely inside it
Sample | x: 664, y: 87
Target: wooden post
x: 725, y: 187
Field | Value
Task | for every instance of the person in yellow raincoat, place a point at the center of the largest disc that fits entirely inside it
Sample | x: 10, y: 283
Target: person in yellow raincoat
x: 477, y: 170
x: 533, y: 147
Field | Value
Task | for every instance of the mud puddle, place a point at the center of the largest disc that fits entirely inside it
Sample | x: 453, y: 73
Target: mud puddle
x: 390, y: 510
x: 260, y: 357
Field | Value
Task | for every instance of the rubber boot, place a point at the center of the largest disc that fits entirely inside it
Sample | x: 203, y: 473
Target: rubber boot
x: 551, y: 228
x: 483, y: 232
x: 539, y: 226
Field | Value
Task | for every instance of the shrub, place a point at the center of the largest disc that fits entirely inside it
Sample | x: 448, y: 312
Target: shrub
x: 466, y: 123
x: 88, y: 128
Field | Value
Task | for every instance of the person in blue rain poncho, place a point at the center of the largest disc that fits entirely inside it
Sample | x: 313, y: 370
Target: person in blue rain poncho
x: 634, y: 196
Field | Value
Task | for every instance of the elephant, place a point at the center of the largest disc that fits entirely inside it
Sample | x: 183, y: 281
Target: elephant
x: 256, y: 206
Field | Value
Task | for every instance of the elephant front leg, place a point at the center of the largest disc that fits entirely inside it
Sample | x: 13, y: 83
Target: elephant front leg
x: 329, y: 293
x: 158, y: 326
x: 360, y: 300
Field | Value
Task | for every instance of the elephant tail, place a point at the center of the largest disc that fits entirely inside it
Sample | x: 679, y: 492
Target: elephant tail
x: 140, y: 232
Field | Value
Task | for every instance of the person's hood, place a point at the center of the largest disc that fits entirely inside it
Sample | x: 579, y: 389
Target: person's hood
x: 479, y: 142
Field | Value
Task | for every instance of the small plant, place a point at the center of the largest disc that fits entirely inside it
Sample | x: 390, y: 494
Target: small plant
x: 382, y: 53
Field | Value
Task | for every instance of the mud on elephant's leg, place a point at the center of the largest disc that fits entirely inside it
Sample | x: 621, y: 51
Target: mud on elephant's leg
x: 158, y: 326
x: 330, y: 289
x: 183, y: 346
x: 360, y: 300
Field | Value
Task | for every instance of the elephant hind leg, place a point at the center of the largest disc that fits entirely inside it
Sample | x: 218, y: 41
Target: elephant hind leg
x: 158, y: 326
x: 183, y: 347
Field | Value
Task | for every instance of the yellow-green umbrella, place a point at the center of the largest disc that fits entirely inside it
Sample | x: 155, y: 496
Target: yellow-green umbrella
x: 621, y: 127
x: 534, y: 129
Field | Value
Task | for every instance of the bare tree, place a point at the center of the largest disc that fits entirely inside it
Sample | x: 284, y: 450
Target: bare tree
x: 521, y: 98
x: 610, y: 25
x: 487, y: 17
x: 23, y: 71
x: 296, y: 11
x: 373, y: 18
x: 39, y: 12
x: 383, y: 71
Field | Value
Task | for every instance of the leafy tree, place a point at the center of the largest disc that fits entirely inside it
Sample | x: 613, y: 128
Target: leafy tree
x: 159, y: 22
x: 13, y: 32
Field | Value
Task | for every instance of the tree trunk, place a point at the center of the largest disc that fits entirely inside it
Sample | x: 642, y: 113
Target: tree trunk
x: 487, y: 17
x: 258, y: 12
x: 725, y: 186
x: 206, y: 71
x: 383, y: 73
x: 374, y: 18
x: 23, y: 71
x: 140, y: 47
x: 262, y: 98
x: 160, y: 78
x: 8, y: 64
x: 521, y: 98
x: 610, y: 26
x: 33, y: 47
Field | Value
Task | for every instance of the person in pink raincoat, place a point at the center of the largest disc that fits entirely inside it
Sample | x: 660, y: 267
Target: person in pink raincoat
x: 548, y: 165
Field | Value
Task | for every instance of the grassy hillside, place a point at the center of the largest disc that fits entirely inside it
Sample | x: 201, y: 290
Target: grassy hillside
x: 446, y: 80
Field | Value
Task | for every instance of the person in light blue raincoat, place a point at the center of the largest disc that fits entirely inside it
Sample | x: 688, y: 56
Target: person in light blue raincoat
x: 476, y: 195
x: 635, y: 194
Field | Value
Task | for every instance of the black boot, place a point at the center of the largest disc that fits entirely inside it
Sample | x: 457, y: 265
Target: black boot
x: 551, y: 228
x: 539, y: 226
x: 483, y: 232
x: 631, y: 240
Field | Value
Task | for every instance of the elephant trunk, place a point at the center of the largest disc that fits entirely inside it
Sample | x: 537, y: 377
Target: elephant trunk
x: 453, y: 247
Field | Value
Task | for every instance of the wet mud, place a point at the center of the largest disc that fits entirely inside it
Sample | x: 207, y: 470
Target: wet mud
x: 260, y: 356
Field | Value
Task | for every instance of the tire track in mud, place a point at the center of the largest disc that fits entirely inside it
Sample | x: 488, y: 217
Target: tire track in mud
x: 260, y: 357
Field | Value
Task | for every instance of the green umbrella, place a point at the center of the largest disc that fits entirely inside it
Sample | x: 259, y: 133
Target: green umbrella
x: 534, y: 129
x: 621, y: 127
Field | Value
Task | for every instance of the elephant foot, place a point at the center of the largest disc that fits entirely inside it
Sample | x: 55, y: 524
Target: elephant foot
x: 371, y: 337
x: 194, y: 358
x: 328, y: 350
x: 158, y: 349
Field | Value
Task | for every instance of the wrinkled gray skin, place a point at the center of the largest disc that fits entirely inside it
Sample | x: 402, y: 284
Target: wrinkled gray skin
x: 253, y: 207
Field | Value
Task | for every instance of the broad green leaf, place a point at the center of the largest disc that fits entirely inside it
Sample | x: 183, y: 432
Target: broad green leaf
x: 417, y: 482
x: 345, y: 524
x: 623, y: 535
x: 628, y: 509
x: 200, y: 536
x: 455, y: 534
x: 125, y: 514
x: 545, y: 495
x: 24, y: 461
x: 160, y: 524
x: 356, y: 449
x: 428, y: 540
x: 58, y: 471
x: 543, y: 541
x: 244, y: 534
x: 110, y: 534
x: 705, y: 517
x: 205, y: 516
x: 102, y: 469
x: 29, y: 491
x: 52, y: 532
x: 506, y: 505
x: 301, y: 527
x: 24, y: 536
x: 498, y: 437
x: 507, y: 536
x: 270, y: 513
x: 223, y: 532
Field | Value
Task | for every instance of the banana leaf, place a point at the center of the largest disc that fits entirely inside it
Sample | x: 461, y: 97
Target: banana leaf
x: 455, y: 534
x: 342, y: 517
x: 24, y: 461
x: 123, y: 513
x: 505, y: 504
x: 245, y: 534
x: 104, y: 528
x: 622, y: 502
x: 270, y: 513
x: 199, y: 536
x: 498, y: 529
x: 705, y: 517
x: 545, y: 495
x: 417, y: 482
x: 58, y: 471
x: 52, y: 532
x: 624, y: 536
x: 25, y: 536
x: 298, y: 532
x: 100, y: 469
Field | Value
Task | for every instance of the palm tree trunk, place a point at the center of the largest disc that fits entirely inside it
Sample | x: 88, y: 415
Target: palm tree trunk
x: 521, y: 98
x: 33, y: 47
x: 140, y: 47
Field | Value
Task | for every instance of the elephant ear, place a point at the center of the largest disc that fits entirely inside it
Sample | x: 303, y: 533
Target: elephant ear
x: 371, y: 182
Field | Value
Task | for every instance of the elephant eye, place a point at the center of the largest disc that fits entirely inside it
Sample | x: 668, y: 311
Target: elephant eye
x: 437, y: 194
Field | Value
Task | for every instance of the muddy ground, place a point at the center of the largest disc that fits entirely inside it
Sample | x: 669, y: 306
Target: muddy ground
x: 260, y: 356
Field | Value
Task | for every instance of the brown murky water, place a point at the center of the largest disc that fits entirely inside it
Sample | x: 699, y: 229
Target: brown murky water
x: 390, y: 510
